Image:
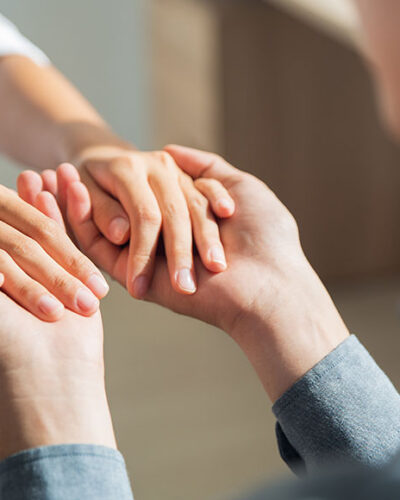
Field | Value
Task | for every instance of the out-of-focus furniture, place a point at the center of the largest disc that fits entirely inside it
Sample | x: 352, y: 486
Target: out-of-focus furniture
x: 282, y: 92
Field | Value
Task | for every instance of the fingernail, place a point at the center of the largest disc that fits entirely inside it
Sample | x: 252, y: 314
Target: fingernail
x: 118, y: 228
x: 225, y: 204
x: 49, y: 305
x: 98, y: 285
x: 140, y: 286
x: 185, y: 280
x: 217, y: 255
x: 86, y: 301
x: 2, y: 278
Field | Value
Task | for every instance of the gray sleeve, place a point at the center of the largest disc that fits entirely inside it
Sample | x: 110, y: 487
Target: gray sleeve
x: 344, y: 410
x: 65, y: 472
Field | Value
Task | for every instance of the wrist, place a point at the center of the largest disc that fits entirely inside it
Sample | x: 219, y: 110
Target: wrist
x: 285, y: 341
x: 38, y: 414
x: 79, y: 139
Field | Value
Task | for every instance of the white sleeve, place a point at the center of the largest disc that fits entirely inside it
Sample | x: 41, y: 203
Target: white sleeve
x: 13, y: 42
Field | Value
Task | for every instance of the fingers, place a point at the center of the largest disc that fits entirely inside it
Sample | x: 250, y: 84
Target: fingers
x: 32, y: 259
x: 47, y: 204
x: 108, y: 256
x: 145, y: 221
x: 53, y: 240
x: 202, y: 164
x: 66, y: 174
x: 205, y: 228
x: 221, y: 202
x: 29, y: 185
x: 27, y: 292
x: 108, y: 214
x: 49, y: 178
x: 177, y: 229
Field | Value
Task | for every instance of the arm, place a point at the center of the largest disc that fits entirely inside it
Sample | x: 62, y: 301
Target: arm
x: 271, y: 302
x: 56, y: 434
x: 46, y: 121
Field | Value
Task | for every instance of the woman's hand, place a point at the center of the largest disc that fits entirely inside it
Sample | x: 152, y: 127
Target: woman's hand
x: 40, y: 268
x: 136, y: 196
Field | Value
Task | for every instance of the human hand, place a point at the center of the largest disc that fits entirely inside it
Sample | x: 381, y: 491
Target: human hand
x: 40, y: 267
x: 143, y: 193
x: 51, y: 381
x: 270, y: 301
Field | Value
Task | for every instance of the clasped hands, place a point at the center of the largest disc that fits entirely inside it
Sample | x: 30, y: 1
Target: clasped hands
x: 265, y: 295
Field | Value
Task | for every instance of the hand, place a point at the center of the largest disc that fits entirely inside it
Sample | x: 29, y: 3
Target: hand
x: 269, y: 300
x: 143, y: 193
x: 39, y: 266
x: 51, y: 381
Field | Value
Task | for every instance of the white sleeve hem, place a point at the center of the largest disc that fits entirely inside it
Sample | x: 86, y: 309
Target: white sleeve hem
x: 12, y: 42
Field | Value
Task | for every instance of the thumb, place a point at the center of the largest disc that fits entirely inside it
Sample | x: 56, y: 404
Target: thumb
x: 198, y: 163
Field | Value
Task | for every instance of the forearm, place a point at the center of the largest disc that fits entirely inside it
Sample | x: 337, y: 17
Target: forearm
x: 44, y: 119
x: 301, y: 330
x: 332, y: 402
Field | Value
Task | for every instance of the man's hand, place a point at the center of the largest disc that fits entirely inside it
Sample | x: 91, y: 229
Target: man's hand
x: 269, y: 299
x: 51, y: 381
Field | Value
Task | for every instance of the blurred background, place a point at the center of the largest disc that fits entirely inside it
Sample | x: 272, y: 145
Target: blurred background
x: 280, y: 89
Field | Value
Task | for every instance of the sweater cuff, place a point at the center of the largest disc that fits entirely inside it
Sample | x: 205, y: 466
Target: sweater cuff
x: 344, y: 409
x: 70, y: 472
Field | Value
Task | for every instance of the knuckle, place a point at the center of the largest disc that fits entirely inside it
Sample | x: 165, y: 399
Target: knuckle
x: 23, y: 247
x: 147, y: 216
x: 48, y: 230
x: 26, y: 289
x: 172, y: 210
x: 142, y: 258
x: 167, y: 162
x: 163, y: 157
x: 75, y: 262
x: 199, y: 203
x: 121, y: 166
x: 60, y: 282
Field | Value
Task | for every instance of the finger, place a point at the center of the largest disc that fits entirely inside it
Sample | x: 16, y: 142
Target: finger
x: 107, y: 213
x: 177, y: 229
x: 49, y: 178
x: 66, y: 173
x: 139, y: 202
x: 198, y: 163
x: 52, y: 238
x: 47, y: 204
x: 28, y: 292
x: 108, y: 256
x: 31, y: 257
x: 205, y: 228
x: 29, y: 185
x: 221, y: 202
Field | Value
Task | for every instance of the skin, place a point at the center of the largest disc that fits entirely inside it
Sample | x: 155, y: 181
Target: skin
x: 381, y: 36
x: 48, y: 371
x: 137, y: 196
x: 269, y: 300
x: 40, y: 267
